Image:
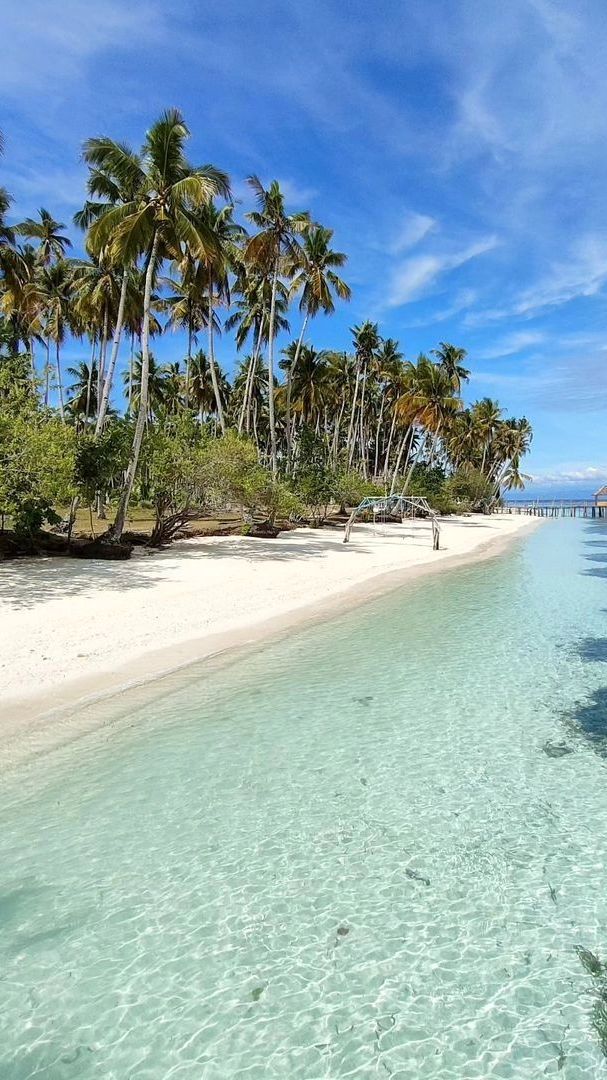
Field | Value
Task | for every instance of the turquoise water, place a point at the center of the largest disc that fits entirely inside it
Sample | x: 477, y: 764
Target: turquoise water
x: 367, y: 850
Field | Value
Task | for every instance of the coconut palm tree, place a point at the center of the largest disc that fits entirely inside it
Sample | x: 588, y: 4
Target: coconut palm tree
x: 486, y: 415
x: 451, y: 358
x: 218, y: 262
x: 155, y: 384
x: 366, y: 341
x: 268, y: 250
x: 430, y: 402
x: 251, y: 318
x: 157, y: 224
x: 388, y: 369
x: 110, y: 185
x: 309, y: 383
x: 82, y: 401
x: 314, y: 276
x: 52, y: 292
x: 53, y: 244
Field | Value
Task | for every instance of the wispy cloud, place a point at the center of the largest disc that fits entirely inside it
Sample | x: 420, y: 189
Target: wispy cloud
x: 413, y: 229
x: 416, y: 275
x: 517, y: 342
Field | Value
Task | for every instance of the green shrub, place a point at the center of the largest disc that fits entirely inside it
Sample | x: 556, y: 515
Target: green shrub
x: 469, y: 488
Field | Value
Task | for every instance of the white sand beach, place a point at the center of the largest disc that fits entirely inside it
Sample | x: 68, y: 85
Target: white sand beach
x: 72, y: 630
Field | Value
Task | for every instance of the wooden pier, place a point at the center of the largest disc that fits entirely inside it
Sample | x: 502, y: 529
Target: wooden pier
x: 552, y: 508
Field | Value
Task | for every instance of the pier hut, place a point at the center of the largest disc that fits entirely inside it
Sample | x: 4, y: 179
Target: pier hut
x: 600, y: 500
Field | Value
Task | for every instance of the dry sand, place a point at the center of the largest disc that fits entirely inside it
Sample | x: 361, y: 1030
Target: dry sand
x: 71, y: 631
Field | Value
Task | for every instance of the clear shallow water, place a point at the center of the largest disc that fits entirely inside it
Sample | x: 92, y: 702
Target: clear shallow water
x: 346, y: 855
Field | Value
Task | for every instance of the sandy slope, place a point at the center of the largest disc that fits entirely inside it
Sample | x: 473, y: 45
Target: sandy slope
x: 71, y: 629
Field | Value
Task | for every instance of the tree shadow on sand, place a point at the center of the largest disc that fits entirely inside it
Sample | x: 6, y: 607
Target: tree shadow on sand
x: 26, y: 583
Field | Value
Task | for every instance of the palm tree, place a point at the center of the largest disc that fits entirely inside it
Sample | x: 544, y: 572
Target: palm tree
x: 251, y: 317
x: 274, y: 242
x: 173, y: 387
x: 451, y: 358
x: 52, y: 289
x: 53, y: 244
x: 429, y: 402
x: 157, y: 223
x: 187, y: 304
x: 155, y: 384
x: 309, y: 382
x: 366, y: 343
x: 486, y: 415
x: 111, y: 185
x: 83, y: 392
x: 218, y: 263
x: 315, y: 277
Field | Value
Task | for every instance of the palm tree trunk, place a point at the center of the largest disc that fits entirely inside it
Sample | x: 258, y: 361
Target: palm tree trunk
x: 107, y: 382
x: 290, y: 372
x: 389, y: 446
x: 351, y: 440
x: 433, y: 446
x: 89, y: 384
x: 212, y: 360
x: 363, y: 444
x: 335, y: 447
x: 30, y: 348
x: 422, y: 445
x: 47, y: 371
x: 131, y: 362
x: 59, y: 381
x: 129, y: 479
x: 406, y: 442
x: 246, y: 401
x: 271, y: 416
x: 102, y: 353
x: 188, y: 363
x: 377, y: 434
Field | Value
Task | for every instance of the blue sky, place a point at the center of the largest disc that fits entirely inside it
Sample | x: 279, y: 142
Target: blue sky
x: 457, y: 149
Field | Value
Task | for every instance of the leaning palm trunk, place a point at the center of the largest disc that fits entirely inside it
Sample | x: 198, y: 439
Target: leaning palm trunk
x: 212, y: 361
x: 107, y: 382
x: 292, y: 368
x: 246, y: 401
x: 377, y: 434
x: 418, y: 454
x: 102, y: 355
x: 406, y: 443
x: 389, y: 446
x: 434, y: 445
x: 363, y: 439
x: 351, y: 440
x: 340, y: 415
x: 89, y: 384
x: 129, y: 479
x: 47, y: 372
x: 59, y: 381
x: 271, y: 416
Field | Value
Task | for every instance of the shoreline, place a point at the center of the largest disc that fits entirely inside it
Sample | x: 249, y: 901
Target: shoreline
x: 41, y: 718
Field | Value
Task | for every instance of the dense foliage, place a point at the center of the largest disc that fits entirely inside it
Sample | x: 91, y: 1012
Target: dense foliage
x: 283, y: 436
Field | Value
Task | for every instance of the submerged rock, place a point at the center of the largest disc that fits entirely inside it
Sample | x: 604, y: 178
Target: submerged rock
x: 416, y: 876
x: 556, y: 750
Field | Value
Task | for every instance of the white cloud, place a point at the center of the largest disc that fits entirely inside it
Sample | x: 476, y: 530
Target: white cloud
x: 512, y: 344
x: 297, y: 196
x: 54, y: 47
x: 572, y: 475
x: 414, y: 276
x: 413, y: 229
x: 583, y: 274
